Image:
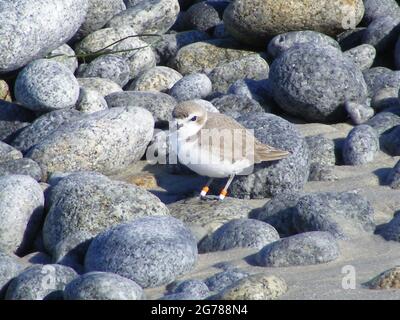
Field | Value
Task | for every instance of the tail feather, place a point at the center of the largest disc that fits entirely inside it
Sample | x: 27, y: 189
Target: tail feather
x: 267, y: 153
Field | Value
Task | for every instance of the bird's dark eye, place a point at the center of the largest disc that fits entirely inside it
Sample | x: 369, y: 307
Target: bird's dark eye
x: 193, y: 118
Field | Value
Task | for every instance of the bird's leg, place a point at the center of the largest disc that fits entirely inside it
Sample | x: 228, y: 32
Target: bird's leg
x: 224, y: 191
x: 206, y: 188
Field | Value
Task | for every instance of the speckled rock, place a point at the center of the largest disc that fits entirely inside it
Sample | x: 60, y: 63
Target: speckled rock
x: 358, y: 112
x: 46, y: 85
x: 390, y: 142
x: 190, y: 58
x: 90, y: 101
x: 207, y: 216
x: 360, y: 146
x: 103, y: 86
x: 102, y: 141
x: 154, y: 16
x: 43, y: 25
x: 156, y: 79
x: 275, y: 17
x: 382, y: 33
x: 40, y: 282
x: 150, y: 251
x: 363, y: 56
x: 303, y: 249
x: 201, y: 16
x: 110, y: 66
x: 192, y: 86
x: 393, y: 177
x: 345, y: 215
x: 224, y: 279
x: 194, y: 287
x: 380, y: 78
x: 8, y: 153
x: 5, y: 93
x: 384, y: 121
x: 21, y: 199
x: 90, y: 202
x: 331, y: 79
x: 285, y: 41
x: 139, y: 54
x: 236, y: 105
x: 65, y: 55
x: 159, y: 104
x: 169, y: 44
x: 272, y: 178
x: 255, y: 287
x: 240, y: 233
x: 389, y: 279
x: 279, y: 212
x: 24, y: 166
x: 9, y: 268
x: 102, y: 286
x: 322, y: 155
x: 98, y: 14
x: 42, y: 127
x: 248, y: 67
x: 380, y: 8
x: 322, y: 150
x: 13, y: 118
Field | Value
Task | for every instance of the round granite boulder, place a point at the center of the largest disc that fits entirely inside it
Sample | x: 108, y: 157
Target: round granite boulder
x: 98, y: 14
x: 21, y: 209
x: 254, y: 21
x: 314, y: 83
x: 37, y: 27
x: 139, y: 54
x: 302, y: 249
x: 345, y: 215
x: 240, y: 233
x: 285, y: 41
x: 152, y: 16
x: 360, y: 146
x: 9, y: 269
x: 90, y: 202
x: 110, y: 66
x: 192, y: 86
x: 102, y: 286
x: 380, y: 8
x: 46, y: 85
x: 248, y: 67
x: 159, y: 104
x: 42, y: 127
x: 151, y: 251
x: 40, y: 282
x: 102, y: 141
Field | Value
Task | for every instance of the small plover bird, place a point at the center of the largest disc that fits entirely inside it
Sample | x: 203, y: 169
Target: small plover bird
x: 215, y: 145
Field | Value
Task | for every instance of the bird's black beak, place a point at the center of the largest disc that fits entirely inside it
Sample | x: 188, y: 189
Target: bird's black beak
x: 178, y: 126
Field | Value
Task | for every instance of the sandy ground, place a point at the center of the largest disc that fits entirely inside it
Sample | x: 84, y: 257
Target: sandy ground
x: 368, y: 255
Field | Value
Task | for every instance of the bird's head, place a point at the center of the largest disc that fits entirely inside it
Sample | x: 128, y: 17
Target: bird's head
x: 189, y: 118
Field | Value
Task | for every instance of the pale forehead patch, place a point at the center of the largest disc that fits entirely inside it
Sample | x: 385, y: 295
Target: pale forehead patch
x: 184, y: 109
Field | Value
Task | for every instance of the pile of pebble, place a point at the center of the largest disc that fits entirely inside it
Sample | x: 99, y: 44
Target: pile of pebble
x: 82, y: 91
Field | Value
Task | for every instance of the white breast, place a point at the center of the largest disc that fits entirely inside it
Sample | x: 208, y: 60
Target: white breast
x: 208, y: 164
